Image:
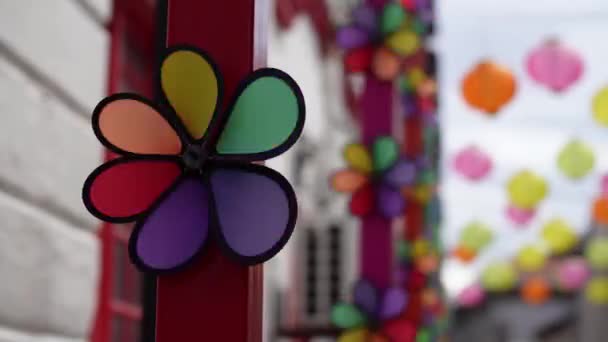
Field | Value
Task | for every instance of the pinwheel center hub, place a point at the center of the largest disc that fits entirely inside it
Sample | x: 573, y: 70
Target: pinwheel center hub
x: 194, y: 157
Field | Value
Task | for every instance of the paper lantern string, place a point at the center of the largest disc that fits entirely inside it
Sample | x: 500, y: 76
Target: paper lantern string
x: 380, y: 41
x: 375, y: 178
x: 472, y: 163
x: 184, y: 171
x: 576, y: 160
x: 368, y: 318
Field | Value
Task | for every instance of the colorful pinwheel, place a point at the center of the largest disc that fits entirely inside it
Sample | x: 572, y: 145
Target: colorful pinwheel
x: 369, y: 318
x: 184, y: 171
x: 375, y: 178
x: 380, y: 40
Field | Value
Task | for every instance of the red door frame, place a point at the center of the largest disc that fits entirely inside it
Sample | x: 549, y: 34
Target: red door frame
x: 131, y: 42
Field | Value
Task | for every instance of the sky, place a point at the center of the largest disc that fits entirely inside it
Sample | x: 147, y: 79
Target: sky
x: 531, y: 130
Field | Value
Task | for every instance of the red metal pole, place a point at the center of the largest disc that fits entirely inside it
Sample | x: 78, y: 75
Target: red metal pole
x: 215, y: 299
x: 376, y: 111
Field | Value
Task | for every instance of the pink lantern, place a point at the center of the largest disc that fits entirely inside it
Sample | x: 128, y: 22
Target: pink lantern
x: 554, y: 65
x: 573, y: 273
x: 472, y: 163
x: 604, y: 185
x: 520, y: 216
x: 471, y: 296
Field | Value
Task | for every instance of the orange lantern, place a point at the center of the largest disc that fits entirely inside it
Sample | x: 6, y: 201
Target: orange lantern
x: 464, y: 254
x: 600, y: 210
x: 488, y: 87
x: 535, y: 291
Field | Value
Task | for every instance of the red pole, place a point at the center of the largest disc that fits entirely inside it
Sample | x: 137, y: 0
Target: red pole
x: 376, y: 252
x: 215, y: 299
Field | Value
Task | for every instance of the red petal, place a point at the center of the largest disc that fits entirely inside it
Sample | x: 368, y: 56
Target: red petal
x: 122, y: 189
x: 362, y: 201
x: 359, y: 60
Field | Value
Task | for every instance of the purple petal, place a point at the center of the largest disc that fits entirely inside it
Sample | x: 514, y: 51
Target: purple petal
x: 366, y: 297
x: 352, y: 37
x: 402, y: 173
x: 255, y: 208
x: 393, y: 303
x: 175, y: 231
x: 390, y: 201
x: 366, y: 18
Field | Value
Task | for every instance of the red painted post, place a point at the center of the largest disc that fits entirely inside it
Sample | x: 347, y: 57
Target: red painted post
x: 215, y: 299
x: 376, y: 114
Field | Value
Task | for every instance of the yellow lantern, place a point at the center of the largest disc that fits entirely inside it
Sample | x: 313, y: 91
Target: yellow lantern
x: 531, y: 258
x: 597, y: 253
x: 597, y: 291
x: 600, y: 107
x: 526, y: 189
x: 576, y: 159
x: 559, y: 236
x: 499, y: 277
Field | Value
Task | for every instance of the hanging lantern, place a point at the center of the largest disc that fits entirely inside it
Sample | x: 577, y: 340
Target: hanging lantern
x: 472, y: 163
x: 488, y: 87
x: 499, y: 277
x: 604, y: 185
x: 535, y: 291
x: 597, y: 253
x: 475, y: 236
x: 526, y: 189
x: 600, y: 107
x: 520, y: 216
x: 559, y: 236
x: 531, y: 259
x: 600, y: 210
x: 471, y: 296
x: 576, y: 159
x: 572, y: 274
x: 464, y: 254
x: 554, y: 65
x: 597, y: 291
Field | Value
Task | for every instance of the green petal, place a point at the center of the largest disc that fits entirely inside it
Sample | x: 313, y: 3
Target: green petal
x: 347, y: 316
x: 266, y: 117
x: 385, y: 153
x: 392, y: 18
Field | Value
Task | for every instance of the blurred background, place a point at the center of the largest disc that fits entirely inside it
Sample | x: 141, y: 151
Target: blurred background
x: 500, y: 108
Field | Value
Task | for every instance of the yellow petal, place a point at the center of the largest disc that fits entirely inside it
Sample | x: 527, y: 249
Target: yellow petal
x: 357, y: 335
x: 191, y: 86
x: 358, y: 158
x: 403, y: 42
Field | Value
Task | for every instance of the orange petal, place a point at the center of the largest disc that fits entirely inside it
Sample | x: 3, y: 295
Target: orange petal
x: 126, y: 123
x: 348, y: 181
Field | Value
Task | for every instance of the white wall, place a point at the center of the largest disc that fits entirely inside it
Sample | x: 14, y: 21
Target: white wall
x: 52, y: 72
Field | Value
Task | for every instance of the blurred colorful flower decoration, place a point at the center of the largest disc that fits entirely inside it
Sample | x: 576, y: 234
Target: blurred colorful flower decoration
x: 555, y: 65
x: 368, y: 319
x: 472, y: 163
x: 375, y: 178
x: 559, y: 236
x: 525, y: 190
x: 488, y: 87
x: 600, y: 107
x: 379, y: 41
x: 499, y: 277
x: 473, y: 238
x: 576, y: 159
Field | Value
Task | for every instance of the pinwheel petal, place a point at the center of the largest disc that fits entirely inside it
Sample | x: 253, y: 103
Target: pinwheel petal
x: 174, y: 232
x: 366, y: 297
x: 347, y: 316
x: 358, y: 158
x: 256, y: 211
x: 127, y: 123
x: 122, y: 189
x: 348, y: 181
